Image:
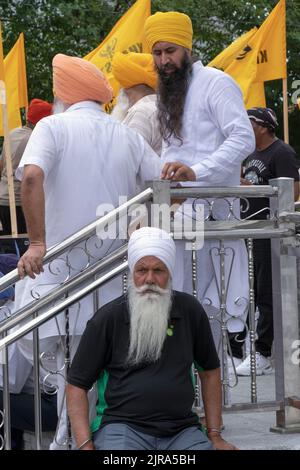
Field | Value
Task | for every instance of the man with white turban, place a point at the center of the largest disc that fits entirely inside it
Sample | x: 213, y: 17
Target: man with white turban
x: 140, y: 349
x: 75, y: 161
x: 136, y: 105
x: 204, y: 123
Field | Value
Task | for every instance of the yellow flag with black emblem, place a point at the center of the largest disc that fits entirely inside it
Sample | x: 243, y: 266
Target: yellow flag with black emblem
x: 15, y: 84
x: 222, y: 61
x: 264, y: 56
x: 271, y: 58
x: 126, y: 36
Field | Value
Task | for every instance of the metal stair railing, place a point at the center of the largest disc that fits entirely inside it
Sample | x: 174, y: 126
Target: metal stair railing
x: 91, y: 271
x: 55, y: 251
x: 281, y: 227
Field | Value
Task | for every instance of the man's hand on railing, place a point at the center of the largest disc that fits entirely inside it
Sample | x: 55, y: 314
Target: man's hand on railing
x: 245, y: 182
x: 31, y: 262
x: 177, y: 171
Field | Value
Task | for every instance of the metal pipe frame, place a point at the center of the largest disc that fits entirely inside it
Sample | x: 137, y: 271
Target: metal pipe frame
x: 236, y: 191
x: 237, y: 234
x: 66, y: 303
x: 60, y: 291
x: 81, y: 235
x: 285, y: 310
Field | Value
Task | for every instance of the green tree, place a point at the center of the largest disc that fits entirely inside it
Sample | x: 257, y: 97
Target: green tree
x: 78, y: 26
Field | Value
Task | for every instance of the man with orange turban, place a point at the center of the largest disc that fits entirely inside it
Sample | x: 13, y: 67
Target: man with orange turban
x: 204, y: 123
x: 136, y: 105
x: 77, y: 162
x: 19, y: 137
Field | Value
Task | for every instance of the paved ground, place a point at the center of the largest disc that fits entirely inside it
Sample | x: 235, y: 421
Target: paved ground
x: 251, y: 430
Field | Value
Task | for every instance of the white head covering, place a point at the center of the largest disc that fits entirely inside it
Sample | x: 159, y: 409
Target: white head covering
x: 152, y: 241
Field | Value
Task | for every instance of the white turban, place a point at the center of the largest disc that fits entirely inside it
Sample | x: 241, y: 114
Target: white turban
x: 152, y: 241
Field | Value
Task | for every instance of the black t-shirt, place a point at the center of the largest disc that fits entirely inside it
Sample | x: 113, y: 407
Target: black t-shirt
x: 154, y: 398
x: 277, y: 160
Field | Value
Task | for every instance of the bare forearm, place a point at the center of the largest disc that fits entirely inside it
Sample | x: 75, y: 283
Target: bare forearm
x: 78, y: 410
x: 33, y: 203
x: 212, y: 397
x: 212, y: 400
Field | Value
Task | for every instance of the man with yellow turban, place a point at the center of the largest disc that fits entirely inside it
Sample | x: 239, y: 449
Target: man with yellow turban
x: 77, y: 162
x: 204, y: 123
x: 136, y: 106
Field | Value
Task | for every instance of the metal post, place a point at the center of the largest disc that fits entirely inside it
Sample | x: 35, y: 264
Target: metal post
x: 224, y: 333
x: 197, y: 402
x: 252, y: 321
x: 125, y: 279
x: 285, y: 313
x: 6, y: 401
x: 160, y: 209
x: 37, y: 390
x: 67, y: 364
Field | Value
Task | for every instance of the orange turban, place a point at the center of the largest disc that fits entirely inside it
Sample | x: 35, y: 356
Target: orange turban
x: 170, y: 26
x: 38, y: 109
x: 76, y: 79
x: 134, y: 69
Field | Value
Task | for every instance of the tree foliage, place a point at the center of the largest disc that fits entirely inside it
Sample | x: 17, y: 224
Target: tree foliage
x: 77, y: 26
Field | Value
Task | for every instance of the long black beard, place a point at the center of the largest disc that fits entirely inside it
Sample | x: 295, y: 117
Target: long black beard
x: 171, y: 95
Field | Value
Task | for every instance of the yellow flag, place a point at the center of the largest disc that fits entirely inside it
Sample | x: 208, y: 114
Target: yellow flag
x: 1, y: 57
x: 252, y: 63
x: 23, y: 96
x: 271, y: 59
x: 224, y: 59
x: 256, y: 96
x: 126, y: 36
x: 15, y: 83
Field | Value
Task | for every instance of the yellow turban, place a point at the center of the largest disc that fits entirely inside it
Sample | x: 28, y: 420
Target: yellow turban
x: 170, y: 26
x: 76, y: 79
x: 133, y: 69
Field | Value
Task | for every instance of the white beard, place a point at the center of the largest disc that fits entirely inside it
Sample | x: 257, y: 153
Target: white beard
x: 121, y: 107
x: 149, y: 315
x: 59, y: 106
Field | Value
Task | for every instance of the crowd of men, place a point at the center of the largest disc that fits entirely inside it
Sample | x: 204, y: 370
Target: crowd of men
x: 178, y: 120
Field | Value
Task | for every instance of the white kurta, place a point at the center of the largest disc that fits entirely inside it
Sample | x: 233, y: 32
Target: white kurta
x: 217, y: 137
x: 88, y: 159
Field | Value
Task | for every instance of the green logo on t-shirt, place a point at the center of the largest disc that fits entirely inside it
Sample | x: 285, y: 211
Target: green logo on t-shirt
x: 170, y: 330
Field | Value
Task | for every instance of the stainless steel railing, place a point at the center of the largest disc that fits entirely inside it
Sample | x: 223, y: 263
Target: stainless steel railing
x: 280, y: 227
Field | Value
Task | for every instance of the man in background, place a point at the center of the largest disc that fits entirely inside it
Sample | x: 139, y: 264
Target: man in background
x: 272, y: 158
x: 137, y: 105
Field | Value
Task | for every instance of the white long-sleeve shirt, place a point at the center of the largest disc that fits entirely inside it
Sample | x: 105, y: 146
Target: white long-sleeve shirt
x: 217, y: 134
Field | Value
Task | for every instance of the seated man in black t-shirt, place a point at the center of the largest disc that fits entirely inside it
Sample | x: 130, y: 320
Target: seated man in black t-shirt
x: 140, y: 349
x: 272, y: 158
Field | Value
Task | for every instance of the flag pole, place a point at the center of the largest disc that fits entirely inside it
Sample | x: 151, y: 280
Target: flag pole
x: 285, y: 110
x: 9, y: 169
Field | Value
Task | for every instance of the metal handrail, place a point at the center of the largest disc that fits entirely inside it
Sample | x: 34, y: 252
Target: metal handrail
x: 233, y: 191
x: 236, y: 234
x: 72, y: 299
x: 63, y: 289
x: 81, y: 235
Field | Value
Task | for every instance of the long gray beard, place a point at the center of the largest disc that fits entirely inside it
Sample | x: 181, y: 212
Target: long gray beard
x: 149, y: 315
x: 121, y: 107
